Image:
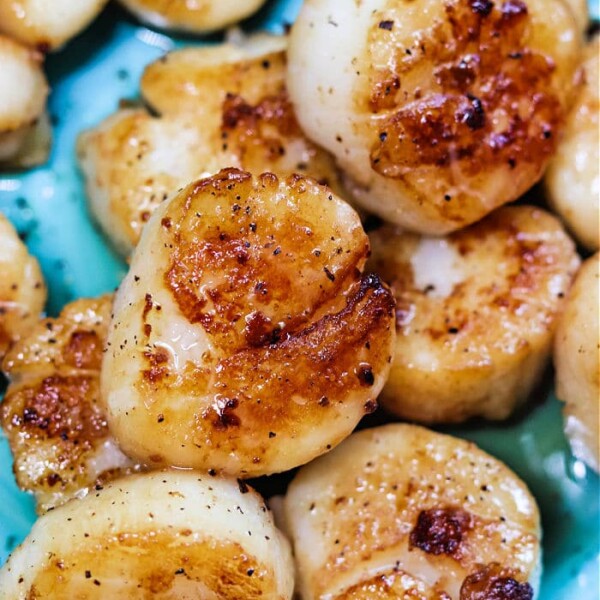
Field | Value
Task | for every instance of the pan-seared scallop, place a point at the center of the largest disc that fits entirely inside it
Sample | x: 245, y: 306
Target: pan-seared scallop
x: 573, y: 178
x: 218, y: 107
x: 196, y: 16
x: 162, y: 535
x: 476, y: 313
x: 24, y: 130
x: 401, y: 512
x: 438, y: 111
x: 51, y: 414
x: 47, y: 25
x: 577, y: 362
x: 22, y: 287
x: 245, y: 339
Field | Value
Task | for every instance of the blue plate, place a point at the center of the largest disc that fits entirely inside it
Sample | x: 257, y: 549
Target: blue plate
x: 48, y: 207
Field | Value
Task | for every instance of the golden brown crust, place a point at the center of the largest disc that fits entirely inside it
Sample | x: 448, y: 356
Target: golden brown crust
x: 58, y: 408
x: 52, y: 414
x: 483, y: 71
x: 252, y: 264
x: 224, y: 568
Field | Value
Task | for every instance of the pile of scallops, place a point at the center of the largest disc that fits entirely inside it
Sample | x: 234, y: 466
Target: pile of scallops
x: 315, y: 226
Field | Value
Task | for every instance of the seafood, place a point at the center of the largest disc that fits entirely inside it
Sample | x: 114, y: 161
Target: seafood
x: 245, y: 339
x: 476, y: 313
x: 438, y: 111
x: 402, y: 512
x: 51, y: 413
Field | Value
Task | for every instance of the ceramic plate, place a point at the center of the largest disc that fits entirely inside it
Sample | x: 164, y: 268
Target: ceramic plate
x: 47, y: 205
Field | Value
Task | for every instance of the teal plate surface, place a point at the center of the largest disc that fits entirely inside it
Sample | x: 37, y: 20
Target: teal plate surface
x: 48, y: 207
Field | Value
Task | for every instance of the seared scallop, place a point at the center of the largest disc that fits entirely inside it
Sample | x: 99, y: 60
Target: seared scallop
x: 24, y: 128
x: 245, y: 339
x: 476, y: 313
x: 223, y: 106
x: 577, y: 362
x: 47, y: 26
x: 403, y: 512
x: 196, y: 16
x: 51, y: 413
x: 438, y: 111
x: 573, y: 178
x: 161, y: 535
x: 22, y: 287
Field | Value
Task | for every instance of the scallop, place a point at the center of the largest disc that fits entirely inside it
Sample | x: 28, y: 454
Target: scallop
x: 573, y: 178
x: 47, y: 26
x: 245, y: 340
x: 476, y: 313
x: 196, y: 16
x: 22, y: 287
x: 159, y: 535
x: 438, y: 111
x: 217, y: 107
x: 577, y: 362
x: 51, y: 413
x: 402, y: 512
x: 24, y: 126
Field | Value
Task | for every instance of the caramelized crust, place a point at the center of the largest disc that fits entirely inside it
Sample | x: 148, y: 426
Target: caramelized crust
x: 483, y: 71
x: 476, y: 313
x: 440, y: 530
x: 51, y: 413
x: 245, y: 338
x: 402, y: 512
x: 220, y: 566
x: 493, y: 582
x: 216, y: 107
